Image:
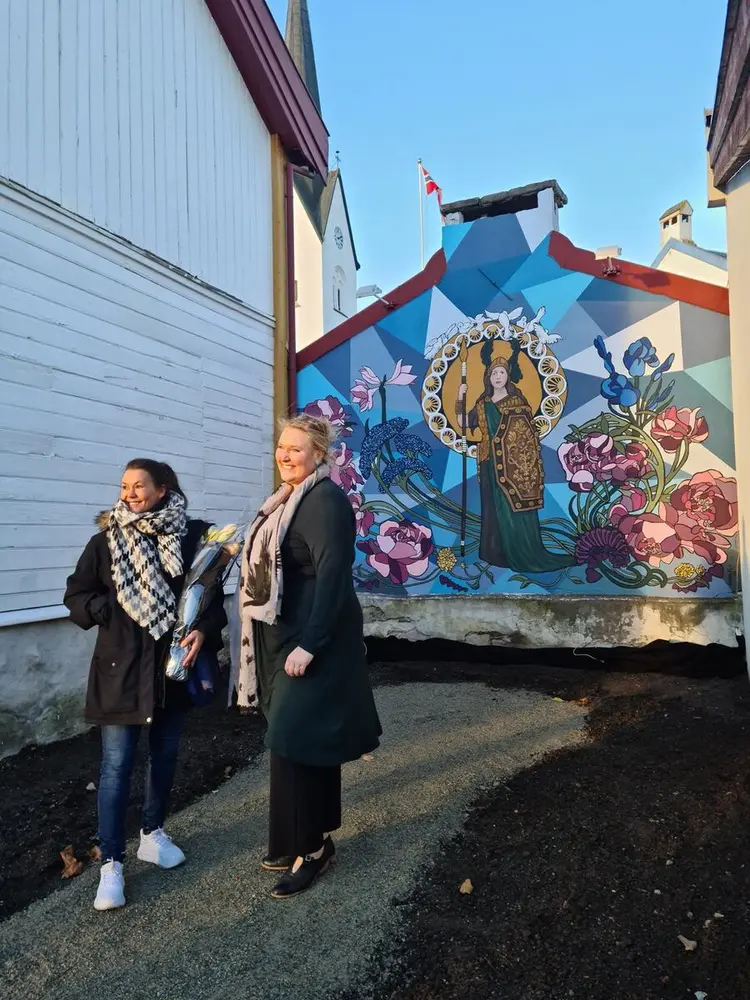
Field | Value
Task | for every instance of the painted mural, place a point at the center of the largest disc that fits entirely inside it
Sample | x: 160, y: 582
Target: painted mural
x: 524, y: 428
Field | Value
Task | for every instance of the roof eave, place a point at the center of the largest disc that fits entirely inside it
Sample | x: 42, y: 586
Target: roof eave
x: 273, y: 81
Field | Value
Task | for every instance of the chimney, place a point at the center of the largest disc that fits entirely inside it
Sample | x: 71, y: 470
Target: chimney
x: 677, y: 223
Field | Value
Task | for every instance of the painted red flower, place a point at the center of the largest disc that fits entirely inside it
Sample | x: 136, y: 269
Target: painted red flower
x: 590, y: 460
x: 673, y: 426
x: 362, y: 515
x: 344, y: 470
x: 703, y: 512
x: 401, y: 550
x: 631, y: 466
x: 650, y: 537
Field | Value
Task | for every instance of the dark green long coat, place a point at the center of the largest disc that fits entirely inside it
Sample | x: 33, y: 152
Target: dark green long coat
x: 328, y: 716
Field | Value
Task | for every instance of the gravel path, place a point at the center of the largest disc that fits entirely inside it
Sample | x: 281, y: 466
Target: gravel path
x: 209, y: 930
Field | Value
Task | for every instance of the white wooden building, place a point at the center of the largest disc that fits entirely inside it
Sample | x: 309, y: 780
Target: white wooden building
x: 137, y: 288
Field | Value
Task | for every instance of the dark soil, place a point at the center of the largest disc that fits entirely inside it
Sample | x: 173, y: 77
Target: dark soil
x: 44, y: 805
x: 585, y: 868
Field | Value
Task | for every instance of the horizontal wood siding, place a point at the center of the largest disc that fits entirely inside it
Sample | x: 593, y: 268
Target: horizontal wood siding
x: 105, y: 355
x: 133, y: 115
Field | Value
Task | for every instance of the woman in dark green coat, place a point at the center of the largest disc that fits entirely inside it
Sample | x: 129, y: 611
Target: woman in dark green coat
x: 302, y: 658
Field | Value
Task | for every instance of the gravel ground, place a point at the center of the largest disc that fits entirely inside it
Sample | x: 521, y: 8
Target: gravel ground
x: 208, y: 930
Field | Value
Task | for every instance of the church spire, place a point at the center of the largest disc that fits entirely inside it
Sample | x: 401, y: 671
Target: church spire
x: 298, y: 39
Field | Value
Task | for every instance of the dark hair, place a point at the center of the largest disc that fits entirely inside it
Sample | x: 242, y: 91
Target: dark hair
x: 161, y: 473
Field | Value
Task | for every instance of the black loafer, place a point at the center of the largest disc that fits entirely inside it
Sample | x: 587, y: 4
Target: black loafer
x: 293, y: 883
x: 281, y: 864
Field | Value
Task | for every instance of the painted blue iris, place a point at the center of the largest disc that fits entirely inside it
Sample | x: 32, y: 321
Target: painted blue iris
x: 617, y: 388
x: 663, y: 367
x: 639, y: 354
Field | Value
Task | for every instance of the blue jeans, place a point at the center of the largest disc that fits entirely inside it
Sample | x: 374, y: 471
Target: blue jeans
x: 119, y: 744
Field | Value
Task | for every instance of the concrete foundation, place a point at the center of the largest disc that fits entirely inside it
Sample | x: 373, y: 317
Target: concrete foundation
x: 44, y: 667
x: 553, y: 622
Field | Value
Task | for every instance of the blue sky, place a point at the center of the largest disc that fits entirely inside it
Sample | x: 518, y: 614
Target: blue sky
x: 606, y: 98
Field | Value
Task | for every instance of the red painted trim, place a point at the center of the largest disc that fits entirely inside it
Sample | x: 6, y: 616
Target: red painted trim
x: 291, y: 305
x: 572, y: 258
x: 410, y: 289
x: 254, y: 40
x: 646, y: 279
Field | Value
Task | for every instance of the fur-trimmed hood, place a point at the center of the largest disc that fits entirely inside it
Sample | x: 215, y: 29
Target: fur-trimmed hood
x: 102, y: 519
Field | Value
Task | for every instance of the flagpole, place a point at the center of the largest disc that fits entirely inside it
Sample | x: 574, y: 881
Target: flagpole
x: 421, y: 216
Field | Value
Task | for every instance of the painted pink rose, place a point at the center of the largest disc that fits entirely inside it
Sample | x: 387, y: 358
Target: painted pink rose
x: 673, y: 426
x: 703, y: 511
x: 330, y: 409
x: 344, y: 471
x: 401, y: 550
x: 588, y: 461
x: 650, y: 537
x: 362, y: 515
x: 631, y: 466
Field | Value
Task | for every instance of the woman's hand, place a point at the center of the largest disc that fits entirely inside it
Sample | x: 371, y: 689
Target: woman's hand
x: 192, y: 642
x: 297, y: 662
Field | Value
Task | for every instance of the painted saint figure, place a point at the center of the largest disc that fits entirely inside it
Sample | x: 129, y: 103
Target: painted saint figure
x: 511, y: 476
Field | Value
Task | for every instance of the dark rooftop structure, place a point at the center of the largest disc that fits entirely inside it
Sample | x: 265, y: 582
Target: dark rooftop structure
x: 518, y: 199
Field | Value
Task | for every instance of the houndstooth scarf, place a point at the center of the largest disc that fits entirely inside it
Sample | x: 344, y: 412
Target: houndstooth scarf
x: 143, y: 547
x: 261, y: 586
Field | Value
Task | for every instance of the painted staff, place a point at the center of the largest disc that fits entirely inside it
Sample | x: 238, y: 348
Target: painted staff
x: 463, y: 354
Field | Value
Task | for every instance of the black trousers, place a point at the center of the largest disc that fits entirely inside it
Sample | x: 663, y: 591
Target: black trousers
x: 305, y: 803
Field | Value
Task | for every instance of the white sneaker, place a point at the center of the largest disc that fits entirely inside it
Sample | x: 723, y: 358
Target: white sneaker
x: 157, y: 848
x: 111, y: 891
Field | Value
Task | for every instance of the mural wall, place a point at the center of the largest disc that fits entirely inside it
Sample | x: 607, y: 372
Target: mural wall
x: 526, y: 428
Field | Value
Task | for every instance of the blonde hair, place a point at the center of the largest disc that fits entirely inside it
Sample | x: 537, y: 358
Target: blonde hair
x: 321, y: 432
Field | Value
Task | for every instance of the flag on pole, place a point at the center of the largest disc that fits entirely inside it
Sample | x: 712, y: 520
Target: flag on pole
x: 430, y: 186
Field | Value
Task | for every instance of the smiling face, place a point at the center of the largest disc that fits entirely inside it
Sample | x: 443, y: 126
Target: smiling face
x: 499, y: 377
x: 295, y: 456
x: 140, y: 492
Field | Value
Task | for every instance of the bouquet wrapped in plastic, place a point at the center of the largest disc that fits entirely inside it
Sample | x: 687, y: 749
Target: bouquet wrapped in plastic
x: 217, y: 550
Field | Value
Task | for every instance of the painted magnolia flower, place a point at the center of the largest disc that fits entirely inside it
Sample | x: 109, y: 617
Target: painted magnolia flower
x: 344, y: 470
x: 588, y: 461
x: 332, y: 410
x: 401, y: 550
x: 601, y: 545
x: 363, y: 516
x: 674, y: 426
x: 364, y: 389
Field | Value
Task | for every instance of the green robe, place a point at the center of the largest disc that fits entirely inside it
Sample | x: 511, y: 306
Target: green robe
x: 511, y: 537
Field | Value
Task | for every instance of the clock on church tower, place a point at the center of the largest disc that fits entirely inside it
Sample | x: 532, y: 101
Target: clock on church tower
x: 338, y: 237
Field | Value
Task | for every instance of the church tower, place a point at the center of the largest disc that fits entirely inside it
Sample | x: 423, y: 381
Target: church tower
x: 325, y: 260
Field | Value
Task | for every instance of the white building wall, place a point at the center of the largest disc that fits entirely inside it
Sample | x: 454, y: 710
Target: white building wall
x: 132, y: 114
x: 339, y: 267
x: 690, y: 267
x: 105, y: 355
x: 308, y: 272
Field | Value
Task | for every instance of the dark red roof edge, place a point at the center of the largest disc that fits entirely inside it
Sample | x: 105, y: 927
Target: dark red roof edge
x: 566, y: 254
x: 278, y: 91
x: 376, y: 312
x: 646, y: 279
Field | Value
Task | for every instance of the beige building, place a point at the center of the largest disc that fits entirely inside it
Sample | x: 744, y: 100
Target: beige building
x: 679, y: 253
x: 729, y: 175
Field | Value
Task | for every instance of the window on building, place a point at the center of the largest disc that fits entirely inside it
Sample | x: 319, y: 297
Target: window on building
x: 685, y: 218
x: 296, y: 293
x: 339, y: 281
x: 674, y: 220
x: 665, y: 225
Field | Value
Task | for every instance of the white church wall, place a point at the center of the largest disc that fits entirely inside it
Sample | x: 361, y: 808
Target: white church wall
x: 339, y: 266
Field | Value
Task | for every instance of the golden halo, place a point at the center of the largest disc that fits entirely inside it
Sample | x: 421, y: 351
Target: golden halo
x: 544, y: 385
